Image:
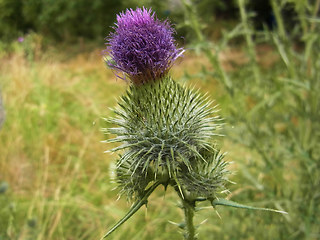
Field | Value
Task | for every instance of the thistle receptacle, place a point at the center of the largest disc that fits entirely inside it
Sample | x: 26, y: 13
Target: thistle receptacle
x: 164, y: 129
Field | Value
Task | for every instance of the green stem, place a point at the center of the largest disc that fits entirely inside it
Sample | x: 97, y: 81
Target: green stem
x: 192, y: 17
x: 249, y: 40
x: 191, y: 14
x: 188, y: 208
x: 314, y: 14
x: 279, y: 20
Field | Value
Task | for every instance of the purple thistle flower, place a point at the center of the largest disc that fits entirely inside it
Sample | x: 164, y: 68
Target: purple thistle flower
x: 142, y: 46
x: 20, y: 39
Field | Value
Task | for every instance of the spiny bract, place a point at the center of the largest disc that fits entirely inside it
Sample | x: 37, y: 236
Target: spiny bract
x: 163, y: 127
x: 207, y: 177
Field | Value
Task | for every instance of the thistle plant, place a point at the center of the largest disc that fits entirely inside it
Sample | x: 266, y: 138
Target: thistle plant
x: 166, y: 130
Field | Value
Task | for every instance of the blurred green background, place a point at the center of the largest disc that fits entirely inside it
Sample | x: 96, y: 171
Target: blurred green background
x: 71, y: 20
x: 258, y: 59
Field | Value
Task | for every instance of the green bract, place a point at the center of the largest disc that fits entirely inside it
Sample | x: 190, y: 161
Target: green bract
x: 164, y: 128
x: 207, y: 177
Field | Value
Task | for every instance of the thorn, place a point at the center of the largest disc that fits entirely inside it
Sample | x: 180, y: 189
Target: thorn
x: 180, y: 225
x: 146, y: 213
x: 180, y: 190
x: 204, y: 221
x: 218, y: 213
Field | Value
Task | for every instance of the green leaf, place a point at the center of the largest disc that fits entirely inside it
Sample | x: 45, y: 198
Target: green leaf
x: 135, y: 207
x: 228, y: 203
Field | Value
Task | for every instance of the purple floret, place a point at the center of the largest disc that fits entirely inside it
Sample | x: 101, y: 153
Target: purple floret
x: 142, y: 46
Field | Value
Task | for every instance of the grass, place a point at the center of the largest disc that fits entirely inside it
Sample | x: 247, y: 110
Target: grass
x: 273, y: 108
x: 51, y: 155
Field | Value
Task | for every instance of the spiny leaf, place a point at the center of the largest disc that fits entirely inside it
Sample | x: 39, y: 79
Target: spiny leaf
x: 228, y: 203
x: 135, y: 207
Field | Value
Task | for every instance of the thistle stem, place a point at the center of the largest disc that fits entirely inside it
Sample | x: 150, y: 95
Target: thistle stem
x: 188, y: 208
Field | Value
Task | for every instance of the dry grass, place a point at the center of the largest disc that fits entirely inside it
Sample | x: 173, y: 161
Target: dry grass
x: 51, y: 154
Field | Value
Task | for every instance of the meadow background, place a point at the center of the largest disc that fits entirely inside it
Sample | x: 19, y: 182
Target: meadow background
x: 258, y: 59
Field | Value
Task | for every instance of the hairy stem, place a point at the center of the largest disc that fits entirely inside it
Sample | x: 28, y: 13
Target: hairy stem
x: 188, y: 208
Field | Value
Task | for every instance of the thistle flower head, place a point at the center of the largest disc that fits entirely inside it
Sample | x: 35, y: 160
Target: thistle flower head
x: 142, y: 46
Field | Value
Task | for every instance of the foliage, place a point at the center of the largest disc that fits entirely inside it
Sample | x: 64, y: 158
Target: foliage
x: 10, y: 12
x: 68, y: 20
x: 57, y: 19
x: 275, y: 111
